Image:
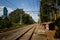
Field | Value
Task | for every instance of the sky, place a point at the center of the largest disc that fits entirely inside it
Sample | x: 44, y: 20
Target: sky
x: 26, y: 5
x: 1, y: 10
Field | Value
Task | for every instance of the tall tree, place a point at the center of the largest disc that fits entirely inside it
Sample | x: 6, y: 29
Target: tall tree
x: 27, y: 19
x: 16, y: 15
x: 44, y: 11
x: 48, y: 7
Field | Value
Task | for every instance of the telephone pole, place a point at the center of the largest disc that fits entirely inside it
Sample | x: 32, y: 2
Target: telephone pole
x: 55, y: 9
x: 20, y: 18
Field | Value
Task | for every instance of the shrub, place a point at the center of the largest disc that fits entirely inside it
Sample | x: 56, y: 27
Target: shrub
x: 57, y: 23
x: 5, y: 23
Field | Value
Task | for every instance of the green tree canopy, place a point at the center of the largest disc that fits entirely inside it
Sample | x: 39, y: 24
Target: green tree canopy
x: 15, y: 16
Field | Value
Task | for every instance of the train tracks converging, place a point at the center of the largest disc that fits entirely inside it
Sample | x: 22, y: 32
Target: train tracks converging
x: 27, y: 35
x: 19, y: 34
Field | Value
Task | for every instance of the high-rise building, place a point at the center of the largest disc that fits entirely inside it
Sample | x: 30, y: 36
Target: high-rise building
x: 5, y: 11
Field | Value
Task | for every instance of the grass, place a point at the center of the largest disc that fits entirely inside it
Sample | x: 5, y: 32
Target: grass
x: 15, y: 26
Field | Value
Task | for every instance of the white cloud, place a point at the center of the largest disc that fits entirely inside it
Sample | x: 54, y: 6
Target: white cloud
x: 1, y: 7
x: 1, y: 13
x: 9, y: 10
x: 1, y: 10
x: 34, y: 15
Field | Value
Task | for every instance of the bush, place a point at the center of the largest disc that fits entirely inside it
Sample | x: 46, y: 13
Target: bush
x: 57, y: 34
x: 5, y: 23
x: 1, y: 24
x: 57, y: 23
x: 16, y: 25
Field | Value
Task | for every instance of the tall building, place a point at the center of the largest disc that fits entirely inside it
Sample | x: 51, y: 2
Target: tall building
x: 5, y: 12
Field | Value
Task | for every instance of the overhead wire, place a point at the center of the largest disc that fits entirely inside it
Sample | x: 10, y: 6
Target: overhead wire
x: 32, y: 11
x: 7, y: 2
x: 11, y: 3
x: 2, y: 2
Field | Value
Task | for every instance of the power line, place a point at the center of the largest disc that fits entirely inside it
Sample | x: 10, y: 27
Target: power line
x: 7, y: 2
x: 11, y: 3
x: 32, y: 11
x: 2, y: 3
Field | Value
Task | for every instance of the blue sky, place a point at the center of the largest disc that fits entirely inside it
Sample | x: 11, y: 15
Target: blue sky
x: 27, y: 5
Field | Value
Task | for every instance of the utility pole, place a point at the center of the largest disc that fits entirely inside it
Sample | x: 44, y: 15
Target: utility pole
x: 21, y: 16
x: 55, y: 10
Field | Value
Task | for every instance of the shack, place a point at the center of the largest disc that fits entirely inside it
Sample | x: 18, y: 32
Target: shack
x: 49, y: 25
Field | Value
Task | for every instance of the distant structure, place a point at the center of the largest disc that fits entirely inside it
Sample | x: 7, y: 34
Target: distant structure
x: 5, y: 12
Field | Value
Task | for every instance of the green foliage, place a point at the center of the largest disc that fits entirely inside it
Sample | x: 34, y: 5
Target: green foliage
x: 16, y: 25
x: 57, y: 22
x: 1, y: 23
x: 57, y: 34
x: 58, y: 2
x: 27, y: 19
x: 5, y: 23
x: 14, y: 19
x: 44, y: 13
x: 15, y: 15
x: 47, y: 7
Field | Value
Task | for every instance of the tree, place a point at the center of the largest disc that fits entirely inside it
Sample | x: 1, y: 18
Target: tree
x: 27, y: 19
x: 58, y: 2
x: 57, y: 22
x: 16, y: 15
x: 5, y: 23
x: 44, y: 11
x: 48, y: 7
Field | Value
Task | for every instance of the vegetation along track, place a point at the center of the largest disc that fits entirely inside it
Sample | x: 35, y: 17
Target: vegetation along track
x: 12, y: 35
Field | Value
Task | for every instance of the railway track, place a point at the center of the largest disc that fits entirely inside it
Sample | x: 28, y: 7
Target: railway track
x: 27, y: 35
x: 16, y: 34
